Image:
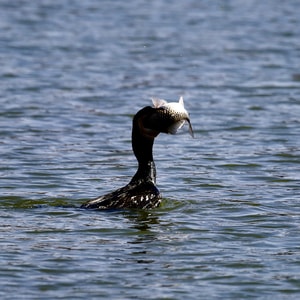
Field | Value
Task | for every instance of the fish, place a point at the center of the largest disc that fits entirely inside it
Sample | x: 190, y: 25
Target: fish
x: 171, y: 116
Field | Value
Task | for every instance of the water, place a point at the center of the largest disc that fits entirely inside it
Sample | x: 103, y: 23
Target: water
x: 73, y: 73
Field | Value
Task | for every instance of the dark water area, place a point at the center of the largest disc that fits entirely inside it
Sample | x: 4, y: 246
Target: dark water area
x: 73, y: 73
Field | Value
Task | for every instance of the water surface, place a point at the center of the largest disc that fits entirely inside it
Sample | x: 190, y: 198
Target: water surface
x: 72, y: 76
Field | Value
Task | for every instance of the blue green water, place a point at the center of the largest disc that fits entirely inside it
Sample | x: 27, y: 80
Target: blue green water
x: 73, y: 73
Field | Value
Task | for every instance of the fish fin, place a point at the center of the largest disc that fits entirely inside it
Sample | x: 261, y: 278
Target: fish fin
x: 158, y: 102
x: 175, y: 127
x: 181, y: 100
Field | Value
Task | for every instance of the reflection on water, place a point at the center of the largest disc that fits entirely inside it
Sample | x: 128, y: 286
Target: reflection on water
x: 142, y: 220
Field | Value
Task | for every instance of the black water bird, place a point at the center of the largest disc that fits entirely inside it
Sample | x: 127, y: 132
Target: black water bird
x: 141, y: 192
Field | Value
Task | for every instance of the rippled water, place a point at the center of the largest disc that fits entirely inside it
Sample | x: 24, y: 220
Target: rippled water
x: 73, y: 73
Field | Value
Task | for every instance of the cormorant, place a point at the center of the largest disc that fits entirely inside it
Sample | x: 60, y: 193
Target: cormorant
x: 141, y: 192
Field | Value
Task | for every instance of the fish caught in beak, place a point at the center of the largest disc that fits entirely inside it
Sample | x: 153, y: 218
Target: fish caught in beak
x: 169, y: 117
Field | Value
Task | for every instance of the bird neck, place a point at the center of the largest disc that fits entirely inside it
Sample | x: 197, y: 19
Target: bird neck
x: 142, y: 146
x: 145, y: 173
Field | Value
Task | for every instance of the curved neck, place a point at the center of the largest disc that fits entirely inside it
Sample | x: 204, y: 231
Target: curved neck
x: 142, y: 146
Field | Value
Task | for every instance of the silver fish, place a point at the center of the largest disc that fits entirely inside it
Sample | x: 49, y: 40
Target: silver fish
x: 173, y: 114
